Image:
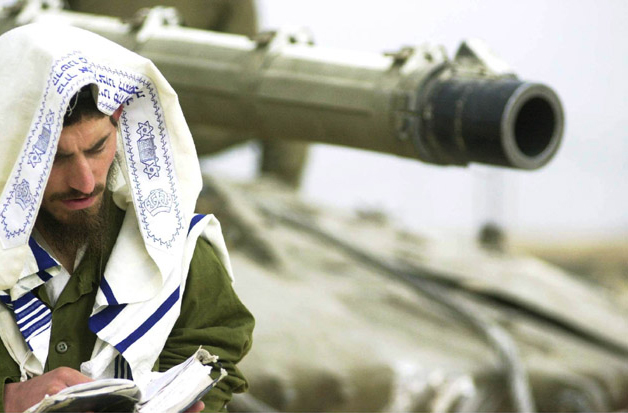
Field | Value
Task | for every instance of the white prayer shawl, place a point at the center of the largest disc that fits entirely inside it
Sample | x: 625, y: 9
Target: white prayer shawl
x: 139, y: 298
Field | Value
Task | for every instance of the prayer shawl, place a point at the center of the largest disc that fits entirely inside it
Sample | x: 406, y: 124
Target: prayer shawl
x: 42, y: 67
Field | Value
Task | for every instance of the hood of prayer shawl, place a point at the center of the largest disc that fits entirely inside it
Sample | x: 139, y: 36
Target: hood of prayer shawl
x: 43, y: 66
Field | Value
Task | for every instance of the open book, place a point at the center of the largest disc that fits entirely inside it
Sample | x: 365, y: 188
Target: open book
x: 173, y: 391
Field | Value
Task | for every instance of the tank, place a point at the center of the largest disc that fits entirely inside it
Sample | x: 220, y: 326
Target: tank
x: 353, y: 313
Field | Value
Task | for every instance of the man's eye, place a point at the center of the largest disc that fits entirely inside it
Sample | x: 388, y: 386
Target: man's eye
x: 97, y: 150
x: 60, y: 157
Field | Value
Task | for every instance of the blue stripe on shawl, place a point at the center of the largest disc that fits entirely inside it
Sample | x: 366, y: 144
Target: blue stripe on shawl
x: 44, y: 276
x: 20, y: 310
x: 43, y: 259
x: 99, y: 321
x: 108, y: 292
x: 24, y: 299
x: 30, y: 330
x: 195, y: 219
x: 121, y: 368
x: 24, y: 319
x: 150, y: 322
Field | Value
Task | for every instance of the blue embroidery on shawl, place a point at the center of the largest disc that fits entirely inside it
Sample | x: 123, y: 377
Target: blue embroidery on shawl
x: 41, y: 146
x: 23, y: 195
x: 52, y: 122
x: 134, y: 175
x: 67, y: 75
x: 158, y: 201
x: 147, y: 149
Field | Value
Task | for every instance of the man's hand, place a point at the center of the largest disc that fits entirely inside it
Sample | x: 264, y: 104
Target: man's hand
x: 196, y: 407
x: 20, y: 396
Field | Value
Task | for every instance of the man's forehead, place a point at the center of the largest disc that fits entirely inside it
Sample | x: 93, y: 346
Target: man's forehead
x: 86, y: 133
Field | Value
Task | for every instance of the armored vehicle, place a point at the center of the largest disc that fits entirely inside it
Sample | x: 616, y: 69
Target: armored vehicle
x: 352, y: 313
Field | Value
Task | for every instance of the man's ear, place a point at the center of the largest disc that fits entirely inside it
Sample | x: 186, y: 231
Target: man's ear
x: 117, y: 113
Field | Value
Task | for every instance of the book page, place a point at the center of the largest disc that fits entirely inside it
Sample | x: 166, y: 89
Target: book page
x: 189, y: 386
x: 181, y: 386
x: 100, y: 395
x: 163, y: 379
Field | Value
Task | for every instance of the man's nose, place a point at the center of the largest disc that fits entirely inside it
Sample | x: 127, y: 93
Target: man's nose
x: 81, y: 177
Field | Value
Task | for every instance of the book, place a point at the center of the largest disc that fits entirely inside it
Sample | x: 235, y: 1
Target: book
x: 175, y: 390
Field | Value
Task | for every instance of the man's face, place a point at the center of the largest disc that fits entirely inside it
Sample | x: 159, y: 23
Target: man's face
x: 79, y: 173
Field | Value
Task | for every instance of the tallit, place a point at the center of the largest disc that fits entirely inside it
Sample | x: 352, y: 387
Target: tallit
x: 43, y: 66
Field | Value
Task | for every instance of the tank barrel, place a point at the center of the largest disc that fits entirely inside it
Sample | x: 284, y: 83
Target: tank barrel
x: 415, y: 103
x: 503, y: 122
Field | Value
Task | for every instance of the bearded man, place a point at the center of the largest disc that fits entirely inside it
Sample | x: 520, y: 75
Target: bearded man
x: 107, y: 271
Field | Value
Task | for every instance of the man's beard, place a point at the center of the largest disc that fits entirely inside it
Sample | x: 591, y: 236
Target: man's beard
x: 82, y: 227
x: 85, y: 226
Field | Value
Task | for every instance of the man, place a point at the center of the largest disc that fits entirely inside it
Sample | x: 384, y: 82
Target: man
x: 108, y: 272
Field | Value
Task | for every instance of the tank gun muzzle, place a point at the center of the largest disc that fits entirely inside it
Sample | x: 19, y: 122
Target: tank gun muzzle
x: 503, y: 122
